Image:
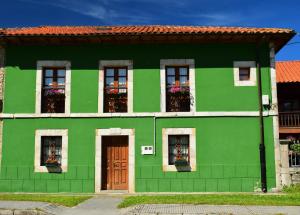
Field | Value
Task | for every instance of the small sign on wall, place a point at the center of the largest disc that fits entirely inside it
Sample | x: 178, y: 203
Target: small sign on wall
x: 265, y: 100
x: 147, y: 150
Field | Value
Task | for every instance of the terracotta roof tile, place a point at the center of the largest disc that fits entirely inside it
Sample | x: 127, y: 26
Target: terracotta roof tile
x: 150, y: 29
x: 288, y: 71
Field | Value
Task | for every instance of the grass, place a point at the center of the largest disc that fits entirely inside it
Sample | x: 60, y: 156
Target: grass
x: 289, y: 197
x: 65, y: 200
x: 214, y: 199
x: 294, y: 188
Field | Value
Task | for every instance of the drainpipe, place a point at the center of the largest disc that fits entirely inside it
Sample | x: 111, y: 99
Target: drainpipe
x: 2, y: 68
x: 154, y: 135
x: 262, y: 151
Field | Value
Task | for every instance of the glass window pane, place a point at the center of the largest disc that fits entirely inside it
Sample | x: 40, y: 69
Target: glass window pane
x: 49, y: 72
x: 170, y: 71
x: 183, y: 71
x: 109, y: 81
x: 171, y: 80
x: 122, y: 81
x: 48, y: 81
x: 61, y: 72
x: 61, y: 81
x: 109, y: 72
x: 183, y: 80
x: 122, y: 72
x: 244, y: 74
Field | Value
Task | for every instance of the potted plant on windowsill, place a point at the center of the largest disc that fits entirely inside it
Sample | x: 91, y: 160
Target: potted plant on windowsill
x: 181, y: 162
x: 51, y: 163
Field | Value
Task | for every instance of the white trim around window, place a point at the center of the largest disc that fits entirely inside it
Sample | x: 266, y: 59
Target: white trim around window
x: 39, y: 75
x: 240, y: 64
x: 64, y: 148
x: 177, y: 62
x: 192, y: 144
x: 112, y: 63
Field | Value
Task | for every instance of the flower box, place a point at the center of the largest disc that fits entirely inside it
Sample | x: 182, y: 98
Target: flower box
x: 52, y: 163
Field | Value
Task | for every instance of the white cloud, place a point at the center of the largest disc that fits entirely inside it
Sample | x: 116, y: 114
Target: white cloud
x: 215, y: 18
x: 95, y: 10
x: 99, y: 9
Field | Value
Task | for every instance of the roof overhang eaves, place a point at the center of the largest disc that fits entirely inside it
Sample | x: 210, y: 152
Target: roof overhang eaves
x: 278, y: 39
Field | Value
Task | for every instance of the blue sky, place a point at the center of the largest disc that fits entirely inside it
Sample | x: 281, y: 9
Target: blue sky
x: 253, y: 13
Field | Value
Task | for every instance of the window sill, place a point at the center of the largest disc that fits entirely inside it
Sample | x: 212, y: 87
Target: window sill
x: 173, y: 168
x: 44, y: 169
x: 137, y: 114
x: 295, y: 169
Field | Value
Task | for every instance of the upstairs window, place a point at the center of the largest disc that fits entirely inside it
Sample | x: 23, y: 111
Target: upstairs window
x: 177, y: 89
x: 51, y: 151
x: 115, y: 89
x: 244, y: 73
x: 53, y: 90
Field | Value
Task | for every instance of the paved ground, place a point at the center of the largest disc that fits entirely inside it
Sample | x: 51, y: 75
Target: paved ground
x: 21, y: 205
x: 107, y: 205
x: 214, y: 209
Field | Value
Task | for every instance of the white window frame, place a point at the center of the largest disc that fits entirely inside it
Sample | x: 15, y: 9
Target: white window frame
x: 115, y: 63
x: 38, y: 144
x: 177, y: 62
x: 236, y: 70
x: 39, y: 75
x: 192, y: 147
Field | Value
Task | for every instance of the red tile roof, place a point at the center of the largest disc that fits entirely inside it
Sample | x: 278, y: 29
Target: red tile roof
x: 288, y: 71
x: 138, y: 30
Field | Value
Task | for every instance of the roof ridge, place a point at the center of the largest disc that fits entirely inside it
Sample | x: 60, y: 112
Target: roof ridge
x: 182, y: 26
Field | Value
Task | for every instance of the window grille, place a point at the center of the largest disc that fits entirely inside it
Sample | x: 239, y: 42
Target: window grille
x: 178, y: 148
x: 294, y: 153
x: 51, y: 150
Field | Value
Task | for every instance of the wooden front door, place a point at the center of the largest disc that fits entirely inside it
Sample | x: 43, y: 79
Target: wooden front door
x: 115, y: 163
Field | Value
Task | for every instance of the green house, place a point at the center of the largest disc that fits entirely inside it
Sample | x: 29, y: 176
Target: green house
x: 139, y: 108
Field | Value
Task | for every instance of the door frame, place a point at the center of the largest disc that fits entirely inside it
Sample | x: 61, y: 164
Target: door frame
x: 131, y: 155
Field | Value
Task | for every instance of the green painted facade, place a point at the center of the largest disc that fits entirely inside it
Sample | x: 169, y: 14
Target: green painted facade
x: 227, y: 147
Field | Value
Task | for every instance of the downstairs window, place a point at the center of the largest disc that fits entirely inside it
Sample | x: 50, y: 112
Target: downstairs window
x: 51, y: 149
x: 178, y: 148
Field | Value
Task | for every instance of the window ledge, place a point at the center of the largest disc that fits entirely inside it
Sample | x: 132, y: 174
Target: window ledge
x: 173, y: 168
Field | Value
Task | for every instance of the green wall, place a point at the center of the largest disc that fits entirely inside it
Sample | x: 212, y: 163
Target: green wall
x: 227, y: 155
x: 215, y: 90
x: 227, y: 147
